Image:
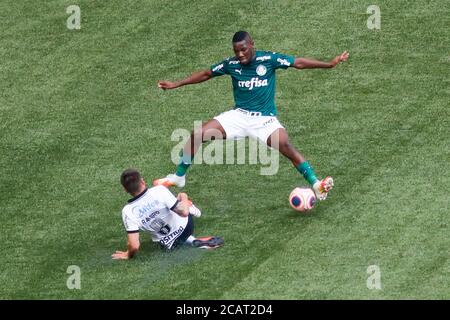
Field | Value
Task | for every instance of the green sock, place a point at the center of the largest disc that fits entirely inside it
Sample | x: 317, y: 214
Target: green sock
x: 307, y: 172
x: 185, y: 163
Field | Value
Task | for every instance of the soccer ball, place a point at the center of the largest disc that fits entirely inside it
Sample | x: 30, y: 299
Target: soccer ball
x: 302, y: 199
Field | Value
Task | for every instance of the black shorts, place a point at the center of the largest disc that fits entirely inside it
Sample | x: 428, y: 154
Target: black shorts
x: 187, y: 232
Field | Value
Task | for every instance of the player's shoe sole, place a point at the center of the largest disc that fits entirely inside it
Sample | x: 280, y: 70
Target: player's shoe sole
x: 171, y: 180
x: 322, y: 187
x: 208, y: 242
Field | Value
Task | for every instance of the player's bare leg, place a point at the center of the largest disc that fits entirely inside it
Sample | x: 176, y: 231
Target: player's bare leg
x: 280, y: 140
x: 211, y: 130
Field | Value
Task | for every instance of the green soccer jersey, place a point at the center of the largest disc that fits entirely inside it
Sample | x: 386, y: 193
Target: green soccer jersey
x: 254, y: 83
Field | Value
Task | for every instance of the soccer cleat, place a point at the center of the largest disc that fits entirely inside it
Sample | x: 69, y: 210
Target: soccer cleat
x: 208, y: 242
x: 322, y: 187
x: 193, y: 210
x: 170, y: 181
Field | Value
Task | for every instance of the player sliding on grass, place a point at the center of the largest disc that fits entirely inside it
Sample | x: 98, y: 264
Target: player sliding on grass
x: 157, y: 211
x: 254, y: 115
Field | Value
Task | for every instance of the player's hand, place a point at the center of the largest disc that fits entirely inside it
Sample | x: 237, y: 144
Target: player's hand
x: 182, y: 196
x: 120, y: 255
x: 167, y: 85
x: 340, y: 58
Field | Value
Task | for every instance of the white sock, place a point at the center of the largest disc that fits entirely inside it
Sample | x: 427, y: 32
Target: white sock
x: 190, y: 240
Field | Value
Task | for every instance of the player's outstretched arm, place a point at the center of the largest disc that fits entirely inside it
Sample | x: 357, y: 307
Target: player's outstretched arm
x: 132, y: 248
x: 303, y: 63
x: 196, y: 77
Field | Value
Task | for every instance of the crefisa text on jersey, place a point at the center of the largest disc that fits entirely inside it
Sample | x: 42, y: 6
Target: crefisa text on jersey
x: 235, y: 309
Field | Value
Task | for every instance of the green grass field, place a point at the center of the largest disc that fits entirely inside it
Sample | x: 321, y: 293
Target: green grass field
x: 79, y: 106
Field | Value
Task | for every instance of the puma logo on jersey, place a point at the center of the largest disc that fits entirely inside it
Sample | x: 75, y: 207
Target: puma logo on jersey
x: 253, y: 83
x: 239, y: 71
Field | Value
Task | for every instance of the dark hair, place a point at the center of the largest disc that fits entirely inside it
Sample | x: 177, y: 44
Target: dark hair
x: 241, y: 35
x: 131, y: 180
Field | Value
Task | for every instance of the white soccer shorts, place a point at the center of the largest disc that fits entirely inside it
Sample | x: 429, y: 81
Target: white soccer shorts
x: 239, y: 124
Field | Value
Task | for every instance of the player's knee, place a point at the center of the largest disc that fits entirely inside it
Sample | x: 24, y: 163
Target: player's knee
x: 211, y: 134
x: 197, y: 135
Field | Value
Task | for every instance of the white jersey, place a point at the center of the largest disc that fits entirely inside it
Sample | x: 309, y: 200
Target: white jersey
x: 151, y: 211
